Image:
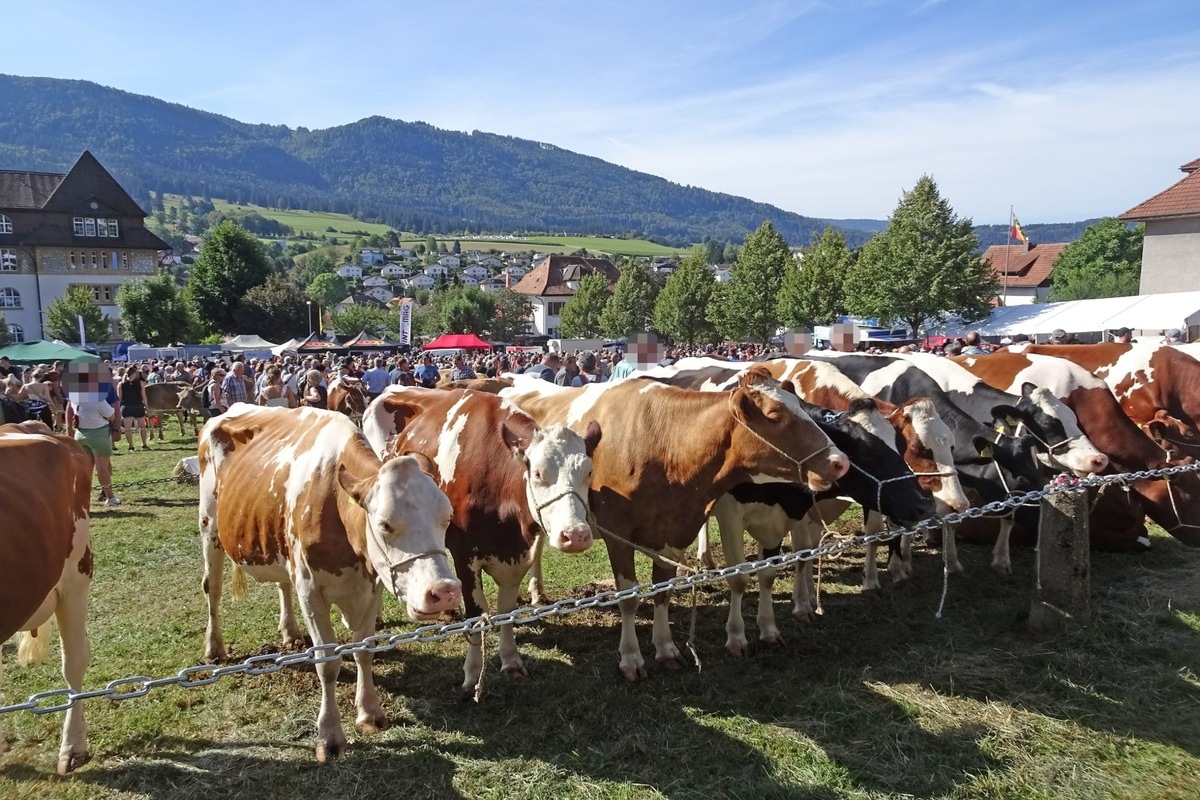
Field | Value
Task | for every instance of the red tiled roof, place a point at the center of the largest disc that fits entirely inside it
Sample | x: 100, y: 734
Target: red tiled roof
x: 550, y: 276
x: 1180, y: 200
x: 1025, y: 267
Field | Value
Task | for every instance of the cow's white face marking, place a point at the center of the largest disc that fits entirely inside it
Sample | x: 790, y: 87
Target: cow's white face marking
x: 558, y: 479
x: 933, y: 431
x: 407, y: 515
x: 1080, y: 455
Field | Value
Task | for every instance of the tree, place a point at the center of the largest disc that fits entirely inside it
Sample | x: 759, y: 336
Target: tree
x: 231, y: 263
x: 1106, y: 261
x: 681, y: 310
x: 512, y: 316
x: 922, y: 267
x: 327, y: 289
x: 813, y: 292
x: 748, y: 307
x: 62, y: 317
x: 352, y: 319
x: 631, y: 308
x: 275, y: 311
x: 580, y: 317
x: 5, y: 338
x: 154, y: 311
x: 465, y: 309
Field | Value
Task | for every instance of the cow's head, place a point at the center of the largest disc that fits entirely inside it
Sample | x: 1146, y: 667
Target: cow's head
x: 876, y: 479
x: 1061, y: 445
x: 189, y: 399
x: 558, y: 472
x: 928, y: 446
x: 406, y: 519
x: 779, y: 436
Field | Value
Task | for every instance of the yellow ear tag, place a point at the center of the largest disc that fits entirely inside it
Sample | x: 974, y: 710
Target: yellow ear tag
x: 353, y: 502
x: 987, y: 453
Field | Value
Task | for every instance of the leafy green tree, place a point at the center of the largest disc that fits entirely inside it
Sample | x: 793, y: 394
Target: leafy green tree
x: 748, y: 307
x: 231, y: 263
x: 813, y: 291
x: 154, y: 311
x: 630, y: 309
x: 5, y: 338
x: 327, y: 289
x: 681, y: 310
x: 275, y: 311
x: 580, y: 317
x: 512, y: 316
x: 62, y: 317
x: 465, y: 309
x: 1106, y: 261
x: 352, y: 319
x: 922, y: 267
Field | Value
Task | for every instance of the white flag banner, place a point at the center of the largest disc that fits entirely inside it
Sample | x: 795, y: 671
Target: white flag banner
x: 406, y: 323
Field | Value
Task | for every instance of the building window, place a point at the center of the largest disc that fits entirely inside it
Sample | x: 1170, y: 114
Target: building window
x: 99, y: 227
x: 16, y: 333
x: 93, y: 259
x: 112, y: 228
x: 89, y: 226
x: 8, y: 260
x: 74, y: 264
x: 125, y: 260
x: 10, y: 298
x: 5, y: 224
x: 554, y: 309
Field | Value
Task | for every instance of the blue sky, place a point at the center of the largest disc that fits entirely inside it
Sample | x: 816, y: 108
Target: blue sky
x: 1066, y: 110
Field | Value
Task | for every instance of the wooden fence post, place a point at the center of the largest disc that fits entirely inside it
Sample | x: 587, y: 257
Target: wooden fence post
x: 1063, y: 565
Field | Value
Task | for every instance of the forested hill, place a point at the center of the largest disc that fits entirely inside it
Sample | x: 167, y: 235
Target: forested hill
x: 409, y: 175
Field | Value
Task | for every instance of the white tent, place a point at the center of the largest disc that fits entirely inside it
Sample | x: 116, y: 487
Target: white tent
x: 1147, y: 312
x: 247, y: 342
x: 287, y: 346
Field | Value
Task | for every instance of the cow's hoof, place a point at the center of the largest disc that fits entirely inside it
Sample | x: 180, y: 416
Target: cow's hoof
x: 68, y: 761
x: 671, y: 661
x: 216, y: 656
x: 372, y: 722
x: 803, y: 614
x: 633, y: 672
x: 772, y: 639
x: 516, y: 671
x: 538, y: 599
x: 1002, y: 567
x: 327, y: 750
x: 898, y: 572
x: 738, y: 648
x: 955, y: 568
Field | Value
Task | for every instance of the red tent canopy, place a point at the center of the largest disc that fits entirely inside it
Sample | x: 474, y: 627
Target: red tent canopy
x: 458, y: 341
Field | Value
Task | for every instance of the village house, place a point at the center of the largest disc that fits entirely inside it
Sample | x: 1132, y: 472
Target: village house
x: 1171, y: 246
x: 1023, y: 271
x: 515, y: 272
x: 437, y: 271
x: 395, y: 271
x: 350, y: 271
x: 553, y: 281
x: 490, y: 262
x: 450, y: 261
x: 494, y: 284
x: 420, y: 281
x: 59, y: 231
x: 477, y: 272
x: 370, y: 257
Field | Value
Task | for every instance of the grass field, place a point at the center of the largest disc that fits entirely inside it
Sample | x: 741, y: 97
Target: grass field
x: 875, y: 700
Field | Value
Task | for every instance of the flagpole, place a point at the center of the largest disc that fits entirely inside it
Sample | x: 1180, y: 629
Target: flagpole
x: 1007, y: 247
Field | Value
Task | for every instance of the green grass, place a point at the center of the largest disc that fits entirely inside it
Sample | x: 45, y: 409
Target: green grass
x: 877, y: 699
x: 598, y: 245
x: 316, y: 223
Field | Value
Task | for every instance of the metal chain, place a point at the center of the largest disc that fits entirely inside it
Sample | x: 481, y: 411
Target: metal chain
x: 56, y: 700
x: 148, y: 482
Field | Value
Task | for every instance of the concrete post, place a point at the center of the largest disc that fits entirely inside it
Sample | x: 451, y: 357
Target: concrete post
x: 1062, y: 582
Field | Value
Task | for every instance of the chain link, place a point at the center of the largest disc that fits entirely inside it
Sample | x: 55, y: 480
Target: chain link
x: 55, y: 700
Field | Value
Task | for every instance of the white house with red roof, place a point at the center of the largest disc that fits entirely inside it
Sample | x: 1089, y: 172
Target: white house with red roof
x: 1171, y: 247
x: 553, y: 281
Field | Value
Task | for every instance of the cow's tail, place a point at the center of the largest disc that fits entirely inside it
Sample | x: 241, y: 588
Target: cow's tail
x: 237, y: 584
x: 35, y: 645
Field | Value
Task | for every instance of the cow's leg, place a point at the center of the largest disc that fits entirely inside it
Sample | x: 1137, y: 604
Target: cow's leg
x: 361, y: 615
x: 632, y: 666
x: 71, y: 613
x: 703, y: 553
x: 214, y: 568
x: 1001, y: 559
x: 289, y: 629
x: 508, y: 589
x: 804, y: 595
x: 474, y: 604
x: 953, y: 565
x: 180, y: 415
x: 906, y: 544
x: 537, y: 588
x: 768, y: 631
x: 331, y: 739
x: 665, y: 652
x: 731, y: 524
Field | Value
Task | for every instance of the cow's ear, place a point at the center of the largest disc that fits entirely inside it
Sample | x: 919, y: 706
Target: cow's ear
x: 1006, y: 416
x: 399, y: 410
x: 425, y: 463
x: 1027, y: 388
x: 357, y: 489
x: 591, y: 438
x: 985, y: 449
x: 789, y: 387
x: 516, y: 438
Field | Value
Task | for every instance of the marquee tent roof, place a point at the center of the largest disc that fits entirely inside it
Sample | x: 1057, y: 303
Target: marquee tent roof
x: 43, y: 352
x: 365, y: 341
x: 458, y: 341
x: 248, y: 342
x: 314, y: 344
x: 1142, y: 312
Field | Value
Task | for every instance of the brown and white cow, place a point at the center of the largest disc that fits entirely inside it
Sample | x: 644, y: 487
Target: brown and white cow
x: 1173, y: 504
x: 1158, y: 386
x: 297, y: 497
x: 46, y: 559
x: 348, y: 396
x: 508, y: 481
x: 171, y: 397
x: 666, y: 455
